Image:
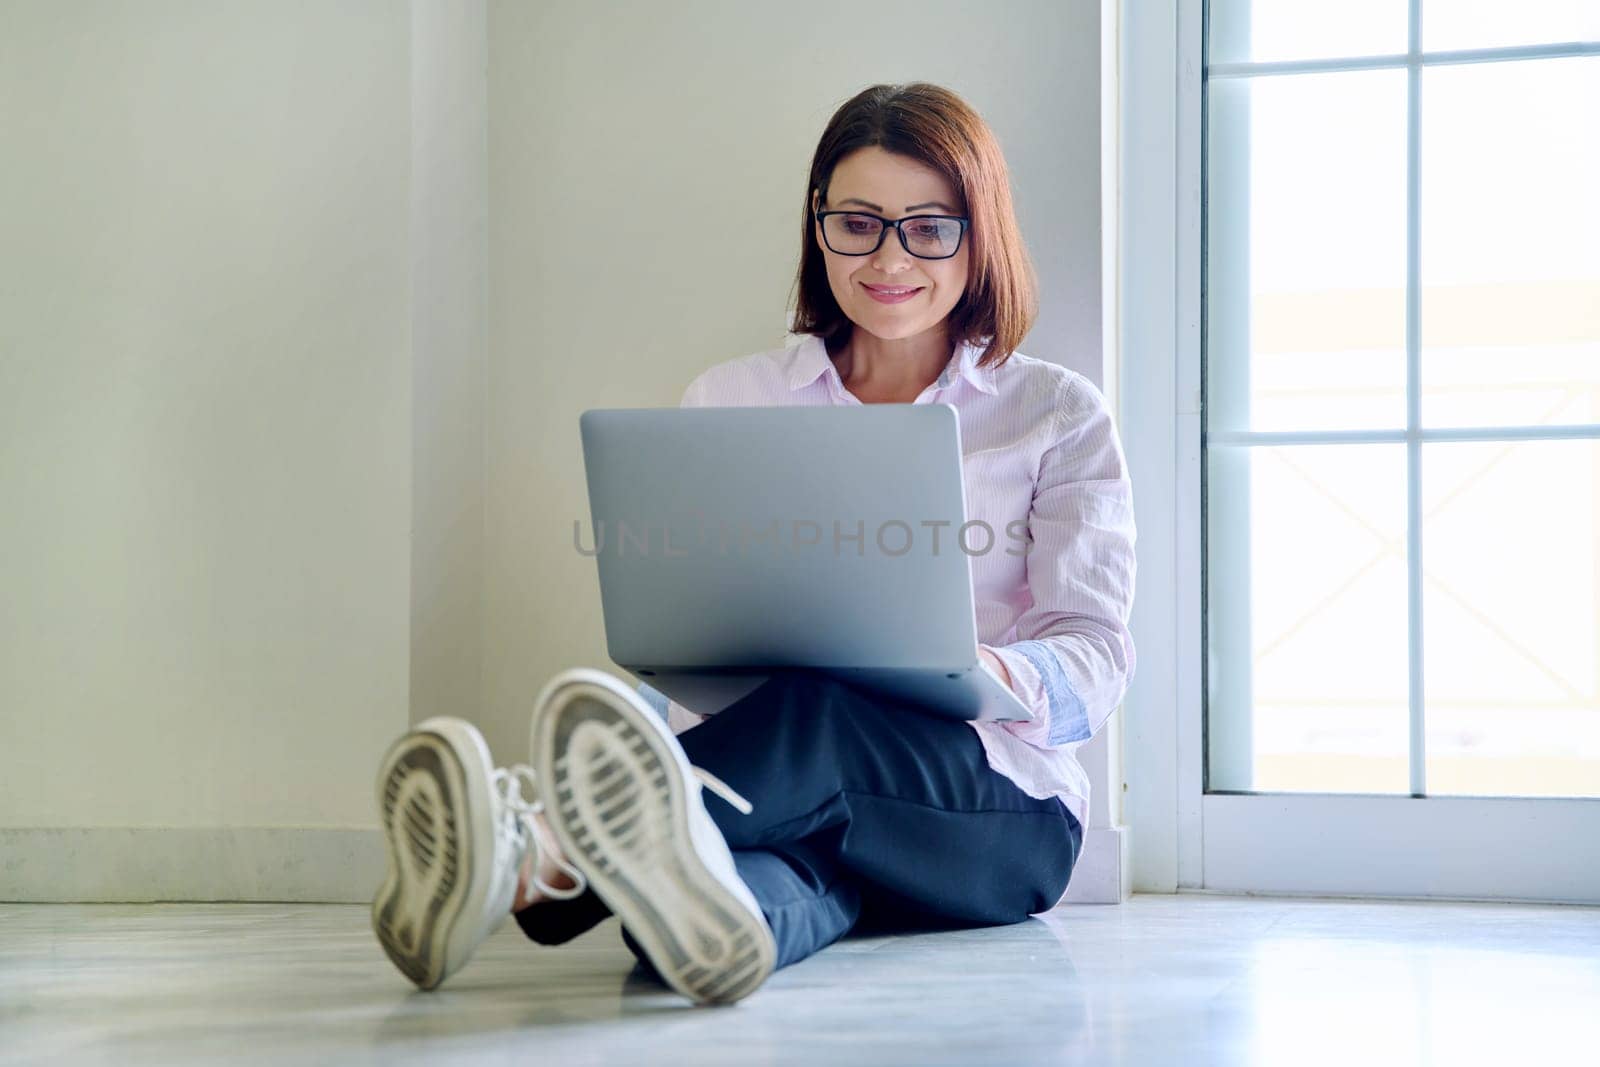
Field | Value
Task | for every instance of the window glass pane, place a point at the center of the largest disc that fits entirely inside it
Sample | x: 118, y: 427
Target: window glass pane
x: 1306, y: 626
x: 1511, y: 617
x: 1510, y: 241
x: 1265, y: 30
x: 1305, y: 302
x: 1453, y: 24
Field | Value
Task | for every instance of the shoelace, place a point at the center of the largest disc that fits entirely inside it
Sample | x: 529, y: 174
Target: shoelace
x: 508, y: 783
x: 723, y: 790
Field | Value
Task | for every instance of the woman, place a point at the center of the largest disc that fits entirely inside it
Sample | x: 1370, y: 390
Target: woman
x: 832, y: 808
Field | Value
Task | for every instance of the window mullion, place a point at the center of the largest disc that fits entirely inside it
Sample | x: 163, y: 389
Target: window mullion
x: 1418, y: 736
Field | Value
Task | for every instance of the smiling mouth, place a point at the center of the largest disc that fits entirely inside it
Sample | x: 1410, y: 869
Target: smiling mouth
x: 897, y: 290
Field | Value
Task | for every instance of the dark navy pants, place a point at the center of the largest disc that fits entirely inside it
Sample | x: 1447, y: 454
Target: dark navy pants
x: 869, y: 815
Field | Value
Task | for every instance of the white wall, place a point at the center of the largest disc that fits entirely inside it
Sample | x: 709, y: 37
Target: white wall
x: 449, y: 319
x: 611, y: 126
x: 1155, y: 317
x: 299, y: 306
x: 205, y: 425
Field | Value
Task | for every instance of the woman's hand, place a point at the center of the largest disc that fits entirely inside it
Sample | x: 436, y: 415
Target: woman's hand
x: 995, y: 665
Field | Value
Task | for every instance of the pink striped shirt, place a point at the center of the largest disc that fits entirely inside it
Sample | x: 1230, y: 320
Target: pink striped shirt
x: 1038, y: 444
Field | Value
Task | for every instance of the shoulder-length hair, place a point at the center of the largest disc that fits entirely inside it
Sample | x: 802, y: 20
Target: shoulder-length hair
x: 936, y: 127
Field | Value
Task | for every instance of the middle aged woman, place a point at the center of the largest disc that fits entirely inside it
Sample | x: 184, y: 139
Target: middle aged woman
x: 832, y: 806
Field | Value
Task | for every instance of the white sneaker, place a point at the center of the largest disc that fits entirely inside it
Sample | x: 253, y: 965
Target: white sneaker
x: 457, y: 830
x: 625, y: 807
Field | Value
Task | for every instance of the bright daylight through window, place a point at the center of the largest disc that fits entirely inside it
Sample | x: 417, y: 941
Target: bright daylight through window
x: 1402, y: 397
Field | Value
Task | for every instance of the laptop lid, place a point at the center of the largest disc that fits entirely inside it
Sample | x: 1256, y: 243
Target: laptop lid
x: 764, y: 537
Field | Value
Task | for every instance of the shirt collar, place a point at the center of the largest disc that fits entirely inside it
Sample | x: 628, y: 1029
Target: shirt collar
x: 809, y: 360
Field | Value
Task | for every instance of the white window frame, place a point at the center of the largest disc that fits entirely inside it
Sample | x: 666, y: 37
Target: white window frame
x: 1478, y: 848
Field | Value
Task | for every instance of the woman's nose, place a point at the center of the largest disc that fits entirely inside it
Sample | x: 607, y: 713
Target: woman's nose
x: 891, y: 254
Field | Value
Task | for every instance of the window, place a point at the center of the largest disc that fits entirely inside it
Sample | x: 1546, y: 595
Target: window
x: 1401, y: 369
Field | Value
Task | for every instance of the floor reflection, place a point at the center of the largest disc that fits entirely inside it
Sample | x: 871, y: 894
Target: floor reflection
x: 1160, y: 980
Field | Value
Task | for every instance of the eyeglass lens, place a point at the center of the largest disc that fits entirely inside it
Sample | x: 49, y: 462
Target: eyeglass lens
x: 930, y: 238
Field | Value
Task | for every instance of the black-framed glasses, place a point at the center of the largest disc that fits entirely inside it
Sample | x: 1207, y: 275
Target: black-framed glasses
x: 860, y: 233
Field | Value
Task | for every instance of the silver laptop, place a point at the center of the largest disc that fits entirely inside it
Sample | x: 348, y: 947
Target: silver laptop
x: 735, y: 542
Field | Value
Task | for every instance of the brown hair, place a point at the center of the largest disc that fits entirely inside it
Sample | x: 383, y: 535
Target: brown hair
x: 936, y: 127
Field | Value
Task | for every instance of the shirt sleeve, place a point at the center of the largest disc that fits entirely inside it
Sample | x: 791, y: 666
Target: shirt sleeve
x: 694, y: 394
x: 1074, y: 658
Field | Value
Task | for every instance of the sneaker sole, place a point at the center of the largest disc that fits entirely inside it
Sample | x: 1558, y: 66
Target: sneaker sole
x: 617, y: 806
x: 431, y: 847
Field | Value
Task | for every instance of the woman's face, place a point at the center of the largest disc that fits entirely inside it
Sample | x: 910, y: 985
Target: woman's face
x: 892, y: 186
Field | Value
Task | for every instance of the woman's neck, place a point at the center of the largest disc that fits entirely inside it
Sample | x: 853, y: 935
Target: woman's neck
x: 892, y: 371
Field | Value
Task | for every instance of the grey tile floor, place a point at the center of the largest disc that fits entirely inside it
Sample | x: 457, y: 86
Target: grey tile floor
x: 1191, y: 979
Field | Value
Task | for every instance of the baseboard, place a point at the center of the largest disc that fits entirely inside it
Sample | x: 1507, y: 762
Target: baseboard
x: 304, y: 865
x: 139, y: 865
x: 1102, y: 874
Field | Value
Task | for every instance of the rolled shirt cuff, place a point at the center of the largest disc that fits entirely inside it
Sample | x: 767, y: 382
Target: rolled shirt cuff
x: 1041, y: 683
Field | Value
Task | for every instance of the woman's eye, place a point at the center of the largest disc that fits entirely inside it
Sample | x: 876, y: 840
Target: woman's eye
x: 857, y: 224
